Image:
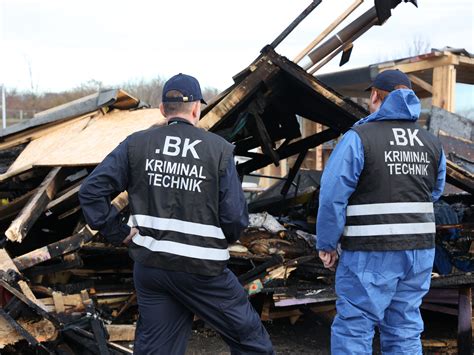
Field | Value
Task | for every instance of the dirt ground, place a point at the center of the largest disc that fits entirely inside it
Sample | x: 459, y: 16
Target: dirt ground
x: 311, y: 335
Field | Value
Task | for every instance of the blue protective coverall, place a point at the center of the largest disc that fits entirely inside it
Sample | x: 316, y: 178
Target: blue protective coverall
x: 374, y: 288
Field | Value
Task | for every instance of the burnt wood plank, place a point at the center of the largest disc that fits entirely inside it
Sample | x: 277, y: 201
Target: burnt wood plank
x: 50, y: 251
x: 288, y: 151
x: 238, y: 95
x: 21, y: 225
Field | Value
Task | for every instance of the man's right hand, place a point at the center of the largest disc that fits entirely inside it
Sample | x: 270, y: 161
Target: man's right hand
x: 127, y: 240
x: 328, y: 258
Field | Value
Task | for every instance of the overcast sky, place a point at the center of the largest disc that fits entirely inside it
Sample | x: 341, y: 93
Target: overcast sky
x: 65, y: 43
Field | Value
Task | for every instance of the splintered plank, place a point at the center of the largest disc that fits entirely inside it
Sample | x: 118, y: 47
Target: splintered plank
x: 66, y: 245
x: 21, y: 225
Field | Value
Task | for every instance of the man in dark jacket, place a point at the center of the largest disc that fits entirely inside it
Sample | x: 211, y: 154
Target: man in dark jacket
x: 377, y: 192
x: 186, y: 204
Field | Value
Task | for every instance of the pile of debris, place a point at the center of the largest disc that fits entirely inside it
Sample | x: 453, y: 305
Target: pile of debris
x: 64, y: 288
x: 60, y: 282
x: 62, y: 285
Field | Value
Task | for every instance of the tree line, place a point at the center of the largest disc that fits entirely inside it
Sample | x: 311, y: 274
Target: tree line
x: 24, y: 104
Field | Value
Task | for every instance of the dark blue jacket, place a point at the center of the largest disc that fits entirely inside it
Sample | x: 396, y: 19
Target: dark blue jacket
x: 111, y: 177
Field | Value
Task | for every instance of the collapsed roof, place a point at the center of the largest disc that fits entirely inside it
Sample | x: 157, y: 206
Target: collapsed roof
x: 263, y: 108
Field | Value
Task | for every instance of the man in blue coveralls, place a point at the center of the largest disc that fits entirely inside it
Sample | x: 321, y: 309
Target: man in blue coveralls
x: 186, y: 204
x: 376, y: 200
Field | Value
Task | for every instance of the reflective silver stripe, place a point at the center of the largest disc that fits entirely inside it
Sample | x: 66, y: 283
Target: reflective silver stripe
x: 390, y: 229
x: 389, y: 208
x: 181, y: 249
x: 176, y: 225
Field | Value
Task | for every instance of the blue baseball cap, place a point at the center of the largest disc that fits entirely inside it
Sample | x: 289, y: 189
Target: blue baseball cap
x: 187, y: 85
x: 389, y: 79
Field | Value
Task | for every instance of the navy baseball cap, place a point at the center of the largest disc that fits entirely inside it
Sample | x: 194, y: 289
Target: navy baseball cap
x: 187, y: 85
x: 389, y: 79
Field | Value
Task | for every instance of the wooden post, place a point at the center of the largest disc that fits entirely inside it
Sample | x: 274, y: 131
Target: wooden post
x: 444, y: 87
x: 22, y: 224
x: 464, y: 321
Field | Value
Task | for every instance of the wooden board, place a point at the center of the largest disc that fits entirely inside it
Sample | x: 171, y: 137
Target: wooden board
x: 37, y: 132
x: 85, y: 142
x: 41, y: 147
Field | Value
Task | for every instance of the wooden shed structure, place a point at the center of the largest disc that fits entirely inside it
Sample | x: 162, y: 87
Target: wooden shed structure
x: 433, y: 74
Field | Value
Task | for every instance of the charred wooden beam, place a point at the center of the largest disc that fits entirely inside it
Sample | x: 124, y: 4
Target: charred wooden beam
x: 293, y: 171
x: 239, y: 95
x: 20, y: 227
x: 68, y: 197
x: 459, y: 177
x: 98, y: 329
x: 295, y: 23
x: 265, y: 141
x: 288, y: 151
x: 255, y: 272
x: 56, y: 267
x: 465, y: 321
x: 350, y: 112
x: 50, y: 251
x: 66, y: 245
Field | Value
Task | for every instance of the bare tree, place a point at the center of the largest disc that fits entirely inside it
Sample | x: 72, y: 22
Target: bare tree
x: 418, y: 45
x: 147, y: 90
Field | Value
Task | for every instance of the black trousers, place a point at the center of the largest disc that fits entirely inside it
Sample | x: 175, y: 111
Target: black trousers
x: 167, y: 301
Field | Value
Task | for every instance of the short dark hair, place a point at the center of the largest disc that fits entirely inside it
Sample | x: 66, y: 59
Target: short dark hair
x: 175, y: 108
